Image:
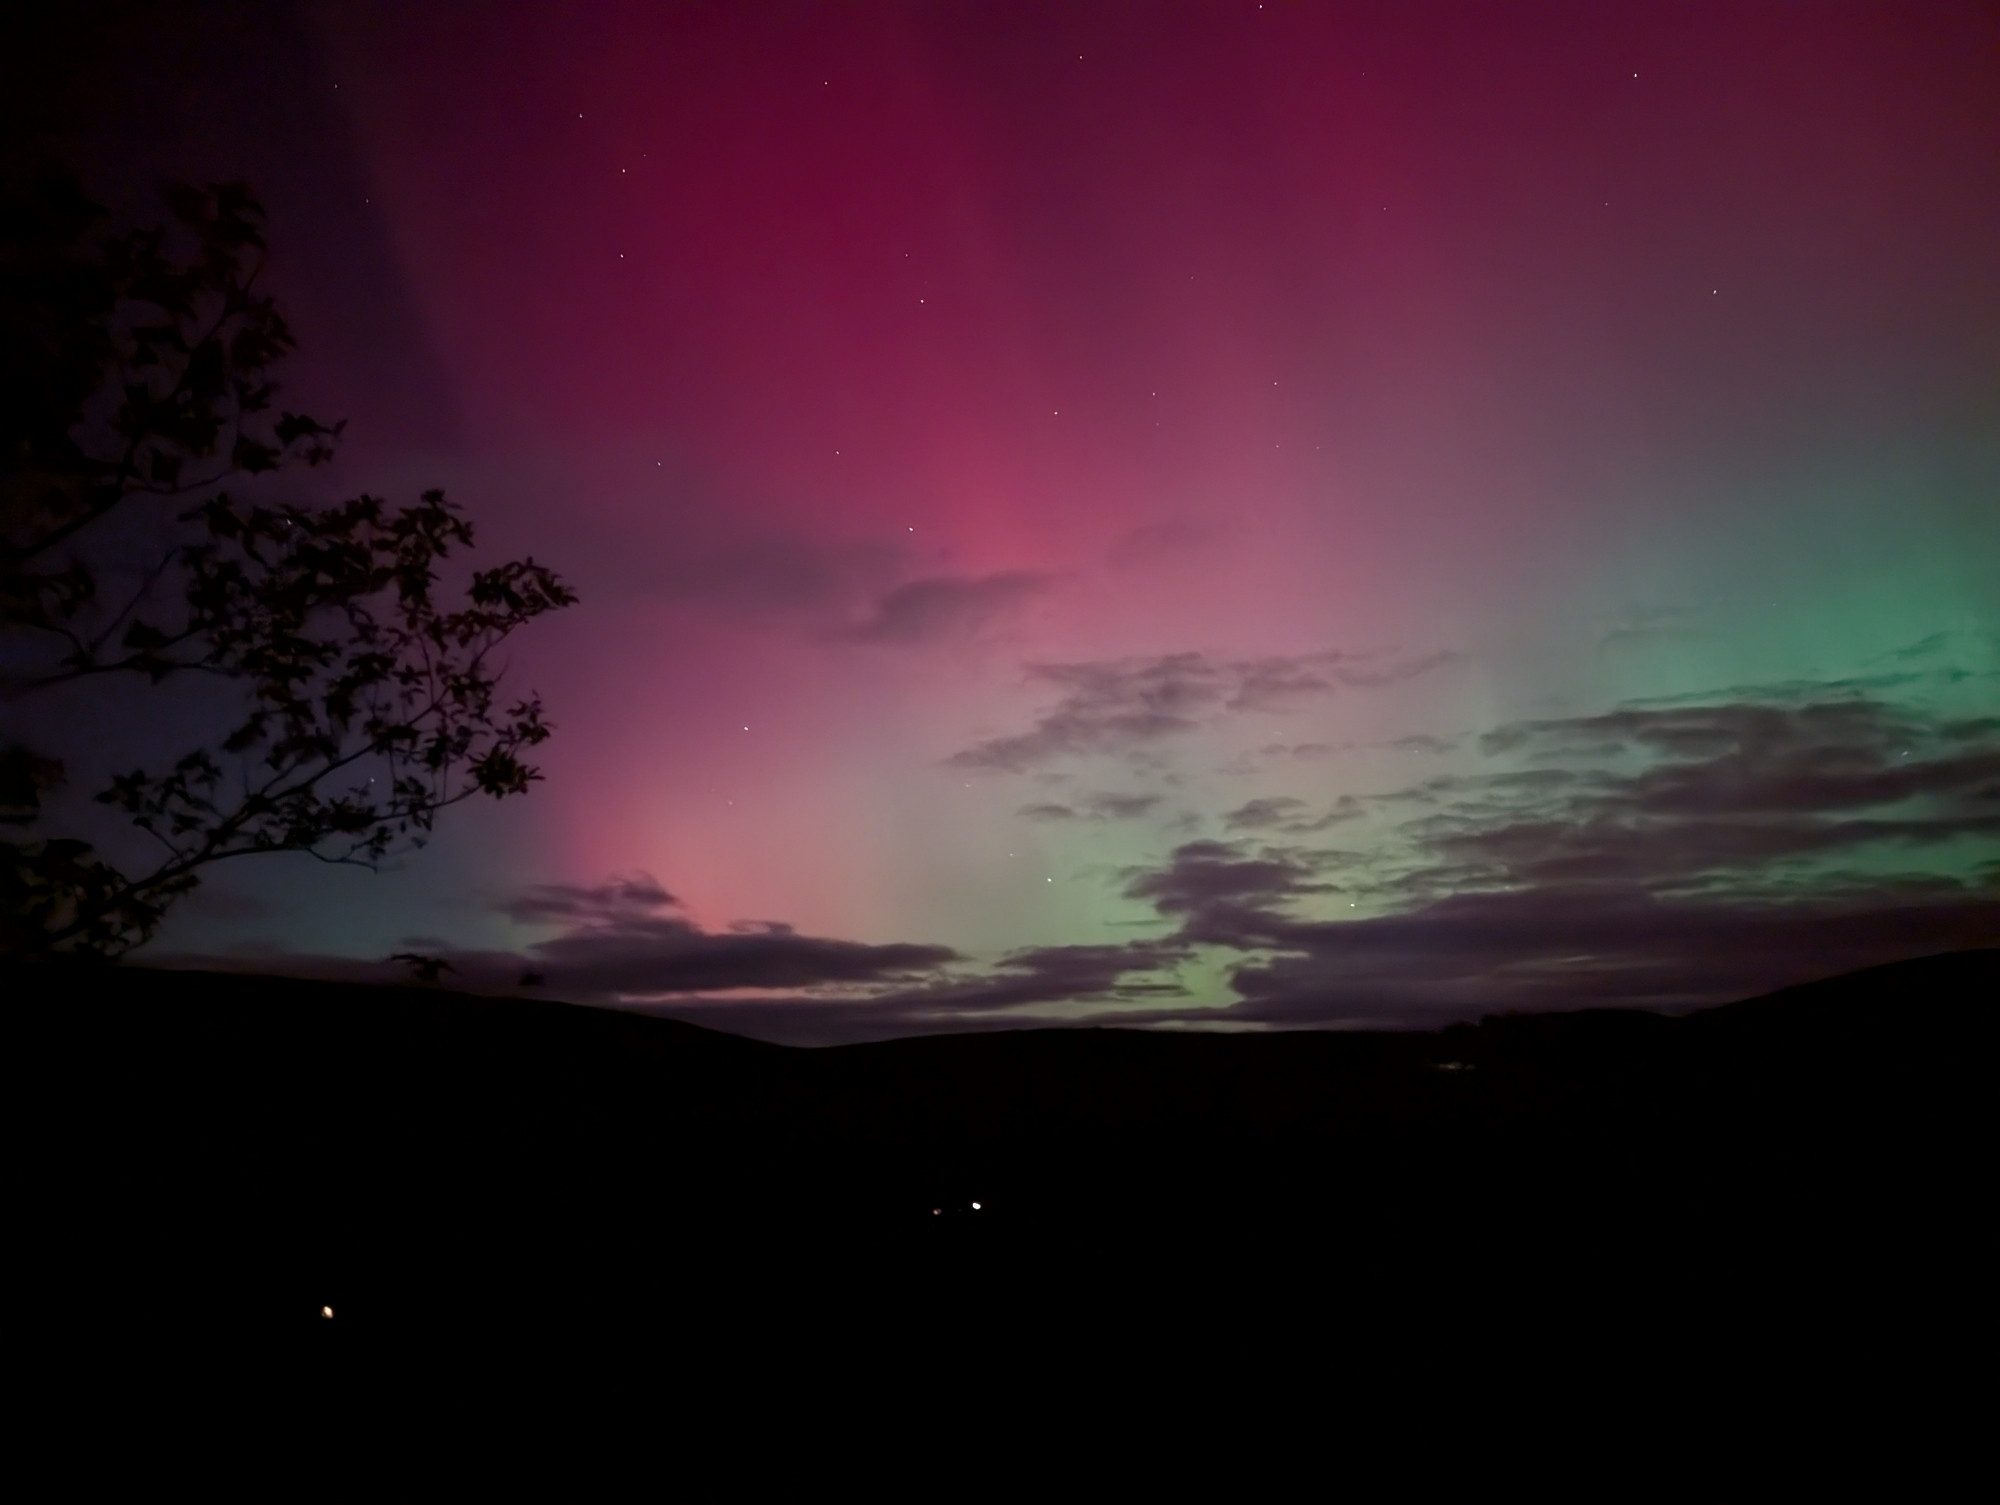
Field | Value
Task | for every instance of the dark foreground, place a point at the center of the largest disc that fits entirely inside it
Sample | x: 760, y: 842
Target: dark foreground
x: 231, y: 1155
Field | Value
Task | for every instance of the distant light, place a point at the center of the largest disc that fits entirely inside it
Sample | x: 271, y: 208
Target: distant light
x: 975, y: 1207
x: 936, y: 1210
x: 326, y: 1311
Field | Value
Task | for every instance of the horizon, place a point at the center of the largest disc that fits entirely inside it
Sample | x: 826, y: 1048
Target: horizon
x: 373, y: 976
x: 1182, y: 518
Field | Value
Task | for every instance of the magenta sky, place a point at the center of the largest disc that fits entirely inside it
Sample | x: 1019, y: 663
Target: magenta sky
x: 1234, y: 513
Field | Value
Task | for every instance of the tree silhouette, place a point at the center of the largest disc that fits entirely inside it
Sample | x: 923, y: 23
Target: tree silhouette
x: 426, y: 969
x: 135, y: 378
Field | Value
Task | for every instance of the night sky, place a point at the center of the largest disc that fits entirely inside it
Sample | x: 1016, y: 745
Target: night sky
x: 1221, y: 515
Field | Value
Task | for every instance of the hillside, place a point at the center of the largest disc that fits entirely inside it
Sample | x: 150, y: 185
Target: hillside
x: 407, y: 1154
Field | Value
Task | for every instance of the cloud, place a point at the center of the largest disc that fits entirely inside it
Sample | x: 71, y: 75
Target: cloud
x: 1047, y: 812
x: 1283, y: 814
x: 1122, y: 806
x: 1104, y: 707
x: 1593, y: 945
x: 989, y: 999
x: 1659, y: 857
x: 626, y: 940
x: 1122, y: 705
x: 1261, y: 814
x: 1224, y: 893
x: 604, y: 904
x: 1926, y: 647
x: 1718, y: 794
x: 1103, y: 806
x: 1051, y: 974
x: 945, y: 607
x: 624, y: 943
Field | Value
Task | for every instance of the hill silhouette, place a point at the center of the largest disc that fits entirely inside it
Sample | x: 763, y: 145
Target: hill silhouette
x: 423, y: 1161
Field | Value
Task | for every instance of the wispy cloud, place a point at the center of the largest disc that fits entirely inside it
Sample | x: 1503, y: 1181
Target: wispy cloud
x: 1718, y: 794
x: 1118, y: 706
x: 1282, y: 814
x: 1424, y: 744
x: 945, y: 607
x: 1052, y: 974
x: 1102, y: 806
x: 1121, y: 806
x: 1021, y: 990
x: 628, y: 940
x: 1047, y: 812
x: 1666, y: 857
x: 1595, y: 945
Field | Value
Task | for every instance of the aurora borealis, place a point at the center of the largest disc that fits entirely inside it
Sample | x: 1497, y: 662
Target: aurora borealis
x: 1218, y: 515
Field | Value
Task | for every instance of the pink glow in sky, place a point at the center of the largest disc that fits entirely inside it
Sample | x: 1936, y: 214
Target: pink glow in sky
x: 1098, y: 476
